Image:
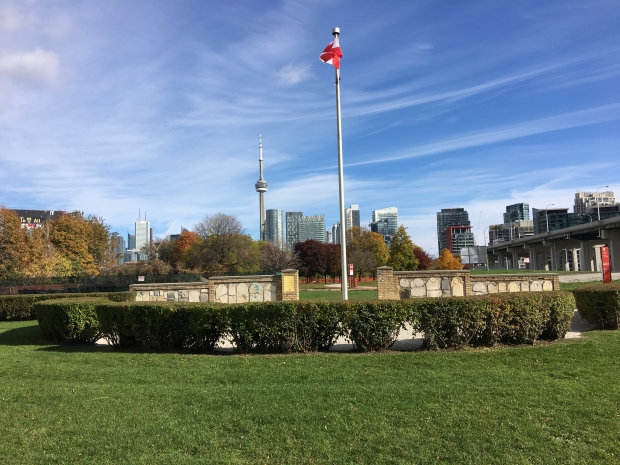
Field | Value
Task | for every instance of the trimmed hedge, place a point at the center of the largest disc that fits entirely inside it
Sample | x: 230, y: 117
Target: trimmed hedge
x: 302, y: 326
x: 374, y: 325
x: 600, y: 304
x: 21, y: 307
x: 69, y: 320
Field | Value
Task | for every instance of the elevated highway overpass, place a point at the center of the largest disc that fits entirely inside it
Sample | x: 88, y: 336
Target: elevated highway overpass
x: 571, y: 249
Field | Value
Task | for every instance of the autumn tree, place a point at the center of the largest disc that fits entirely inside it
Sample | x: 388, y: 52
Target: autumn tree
x: 185, y: 241
x: 14, y: 250
x: 447, y: 261
x: 425, y: 262
x: 223, y: 248
x: 310, y: 255
x: 366, y: 250
x: 402, y: 256
x: 81, y: 243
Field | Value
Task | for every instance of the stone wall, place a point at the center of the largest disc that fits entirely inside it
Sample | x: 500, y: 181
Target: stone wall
x: 447, y: 283
x: 224, y: 289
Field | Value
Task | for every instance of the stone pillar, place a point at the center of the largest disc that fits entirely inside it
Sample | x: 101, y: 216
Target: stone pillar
x: 287, y: 285
x: 386, y: 284
x: 587, y: 264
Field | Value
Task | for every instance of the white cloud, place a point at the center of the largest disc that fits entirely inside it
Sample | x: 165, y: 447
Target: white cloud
x: 34, y: 68
x: 293, y: 74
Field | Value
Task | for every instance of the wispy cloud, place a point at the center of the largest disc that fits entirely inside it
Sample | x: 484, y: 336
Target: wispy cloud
x: 35, y: 67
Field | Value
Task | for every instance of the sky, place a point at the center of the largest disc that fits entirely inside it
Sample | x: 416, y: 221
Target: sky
x: 127, y: 108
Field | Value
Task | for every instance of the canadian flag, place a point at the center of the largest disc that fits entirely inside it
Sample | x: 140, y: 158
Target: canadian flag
x: 332, y: 53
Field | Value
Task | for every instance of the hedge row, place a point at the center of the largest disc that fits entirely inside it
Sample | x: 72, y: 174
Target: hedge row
x: 21, y: 307
x: 304, y: 326
x: 600, y: 304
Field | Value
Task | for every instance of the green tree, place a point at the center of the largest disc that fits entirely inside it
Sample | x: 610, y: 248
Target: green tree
x: 402, y: 255
x: 447, y: 261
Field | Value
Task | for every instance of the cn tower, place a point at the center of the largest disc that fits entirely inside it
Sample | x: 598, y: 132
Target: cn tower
x: 261, y: 187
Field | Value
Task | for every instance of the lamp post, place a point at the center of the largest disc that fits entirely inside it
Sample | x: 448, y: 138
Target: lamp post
x: 547, y: 215
x: 598, y: 204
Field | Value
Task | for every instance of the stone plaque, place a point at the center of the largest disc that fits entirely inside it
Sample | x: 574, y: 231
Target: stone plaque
x: 288, y: 283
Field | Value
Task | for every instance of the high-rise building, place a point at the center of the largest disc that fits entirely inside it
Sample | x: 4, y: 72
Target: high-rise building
x: 131, y: 241
x: 292, y: 218
x: 274, y: 227
x: 336, y: 233
x: 142, y: 236
x: 261, y: 188
x: 385, y: 222
x: 352, y: 216
x: 516, y: 212
x: 593, y: 202
x: 311, y: 227
x: 449, y: 217
x: 300, y: 228
x: 458, y: 237
x: 120, y: 246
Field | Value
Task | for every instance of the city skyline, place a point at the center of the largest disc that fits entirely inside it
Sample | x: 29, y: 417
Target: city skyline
x: 110, y: 108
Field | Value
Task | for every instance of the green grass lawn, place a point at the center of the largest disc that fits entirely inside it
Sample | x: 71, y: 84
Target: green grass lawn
x: 547, y: 404
x: 336, y: 294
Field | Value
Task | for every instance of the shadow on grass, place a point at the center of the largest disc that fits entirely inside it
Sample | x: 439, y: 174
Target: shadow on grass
x: 22, y: 336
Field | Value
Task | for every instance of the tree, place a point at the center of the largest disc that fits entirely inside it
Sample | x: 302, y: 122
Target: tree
x: 425, y: 262
x: 223, y: 248
x: 366, y: 250
x: 310, y: 254
x: 272, y: 258
x: 14, y: 250
x: 402, y: 256
x: 185, y: 241
x: 81, y: 241
x: 447, y: 261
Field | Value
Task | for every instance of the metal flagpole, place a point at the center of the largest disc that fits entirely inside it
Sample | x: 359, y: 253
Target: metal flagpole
x: 343, y: 223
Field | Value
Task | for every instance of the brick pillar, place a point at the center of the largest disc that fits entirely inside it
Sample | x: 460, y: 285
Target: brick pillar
x: 467, y: 285
x: 386, y: 284
x: 556, y: 282
x: 287, y: 285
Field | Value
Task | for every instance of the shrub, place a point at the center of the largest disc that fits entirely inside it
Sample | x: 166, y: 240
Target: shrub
x: 600, y: 304
x: 21, y: 307
x: 69, y: 320
x: 453, y: 322
x: 561, y: 310
x: 374, y: 325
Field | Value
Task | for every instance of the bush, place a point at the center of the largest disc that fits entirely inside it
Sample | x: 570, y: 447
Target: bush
x: 374, y: 325
x: 600, y: 304
x: 21, y: 307
x: 561, y: 310
x: 453, y: 322
x: 69, y: 320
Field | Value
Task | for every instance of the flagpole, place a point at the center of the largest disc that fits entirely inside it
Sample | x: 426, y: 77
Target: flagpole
x: 343, y: 223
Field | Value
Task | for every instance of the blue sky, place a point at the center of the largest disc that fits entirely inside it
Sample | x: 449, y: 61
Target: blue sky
x: 122, y: 106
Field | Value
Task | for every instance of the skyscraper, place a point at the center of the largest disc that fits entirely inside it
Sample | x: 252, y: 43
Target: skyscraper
x: 385, y: 222
x: 261, y: 188
x: 353, y: 216
x: 449, y: 217
x: 516, y: 212
x: 142, y: 234
x: 292, y: 218
x: 300, y: 228
x: 274, y: 227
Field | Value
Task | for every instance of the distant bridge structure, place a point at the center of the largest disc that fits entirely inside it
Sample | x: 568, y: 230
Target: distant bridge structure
x: 575, y: 248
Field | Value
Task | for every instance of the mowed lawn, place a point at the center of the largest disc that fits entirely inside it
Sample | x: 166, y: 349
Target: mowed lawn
x: 547, y: 404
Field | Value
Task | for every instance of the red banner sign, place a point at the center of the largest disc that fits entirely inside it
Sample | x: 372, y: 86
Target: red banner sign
x: 605, y: 264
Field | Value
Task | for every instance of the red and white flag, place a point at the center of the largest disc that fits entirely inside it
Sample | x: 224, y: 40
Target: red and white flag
x: 332, y: 53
